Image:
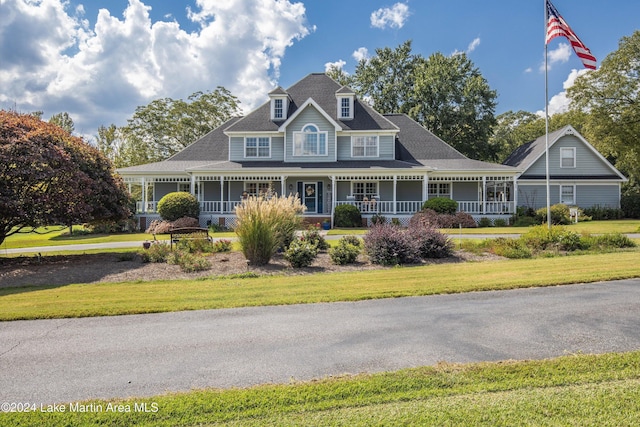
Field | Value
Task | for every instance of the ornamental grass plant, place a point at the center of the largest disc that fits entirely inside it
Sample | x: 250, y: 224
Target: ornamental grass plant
x: 266, y: 223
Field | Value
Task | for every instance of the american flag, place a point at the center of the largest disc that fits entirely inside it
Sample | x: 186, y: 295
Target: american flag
x: 558, y: 27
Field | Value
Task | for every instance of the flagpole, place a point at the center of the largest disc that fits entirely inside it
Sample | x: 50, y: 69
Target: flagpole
x: 546, y: 116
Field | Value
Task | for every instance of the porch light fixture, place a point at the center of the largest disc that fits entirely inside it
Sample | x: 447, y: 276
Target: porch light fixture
x: 290, y: 187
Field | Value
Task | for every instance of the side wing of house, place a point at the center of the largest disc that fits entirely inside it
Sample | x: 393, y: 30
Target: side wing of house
x: 578, y: 174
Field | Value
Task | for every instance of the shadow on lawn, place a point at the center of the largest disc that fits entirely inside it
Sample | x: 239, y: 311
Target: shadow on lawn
x: 27, y: 273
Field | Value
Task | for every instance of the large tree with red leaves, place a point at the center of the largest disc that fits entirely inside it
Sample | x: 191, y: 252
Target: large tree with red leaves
x: 49, y: 177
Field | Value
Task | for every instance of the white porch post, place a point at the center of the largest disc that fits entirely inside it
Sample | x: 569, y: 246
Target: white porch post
x: 425, y: 188
x: 192, y: 186
x: 221, y: 194
x: 144, y: 195
x: 484, y: 194
x: 395, y: 194
x: 334, y: 190
x: 283, y: 182
x: 515, y: 195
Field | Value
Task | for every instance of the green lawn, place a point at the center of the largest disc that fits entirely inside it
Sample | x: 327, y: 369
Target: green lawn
x: 144, y: 297
x: 596, y: 390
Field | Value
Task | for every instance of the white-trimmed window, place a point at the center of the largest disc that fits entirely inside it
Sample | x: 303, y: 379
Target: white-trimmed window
x: 310, y: 142
x: 440, y: 189
x: 257, y: 147
x: 278, y: 109
x: 364, y: 190
x: 345, y: 107
x: 568, y: 157
x: 256, y: 188
x: 568, y: 194
x: 364, y: 146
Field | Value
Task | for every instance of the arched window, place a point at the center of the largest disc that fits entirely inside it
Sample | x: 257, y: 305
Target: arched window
x: 310, y: 142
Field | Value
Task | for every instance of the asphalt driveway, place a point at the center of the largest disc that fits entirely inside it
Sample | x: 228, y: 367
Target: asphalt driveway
x: 67, y: 360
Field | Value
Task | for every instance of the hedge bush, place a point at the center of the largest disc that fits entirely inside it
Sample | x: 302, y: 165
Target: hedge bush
x: 345, y: 252
x: 387, y: 244
x: 313, y: 236
x: 431, y: 243
x: 347, y: 216
x: 301, y: 253
x: 431, y: 218
x: 177, y: 205
x: 630, y: 204
x: 441, y: 205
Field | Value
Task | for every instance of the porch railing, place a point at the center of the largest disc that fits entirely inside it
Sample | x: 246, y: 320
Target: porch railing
x: 473, y: 207
x: 383, y: 207
x: 487, y: 208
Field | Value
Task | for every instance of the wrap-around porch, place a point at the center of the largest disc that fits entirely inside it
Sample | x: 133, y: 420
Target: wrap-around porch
x: 384, y: 194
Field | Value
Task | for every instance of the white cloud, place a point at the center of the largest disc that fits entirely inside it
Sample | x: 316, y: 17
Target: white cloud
x: 559, y: 103
x: 339, y: 64
x: 360, y: 54
x: 53, y: 61
x: 470, y: 48
x: 393, y: 17
x: 560, y: 55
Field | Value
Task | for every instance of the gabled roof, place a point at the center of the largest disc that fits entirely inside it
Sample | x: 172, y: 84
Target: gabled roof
x: 527, y: 154
x: 307, y: 103
x: 212, y: 147
x: 322, y: 89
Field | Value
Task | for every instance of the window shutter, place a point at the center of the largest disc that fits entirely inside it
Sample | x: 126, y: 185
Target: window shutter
x: 320, y: 197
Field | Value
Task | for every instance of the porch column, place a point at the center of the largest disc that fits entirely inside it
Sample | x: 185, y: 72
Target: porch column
x: 334, y: 190
x: 283, y: 182
x: 484, y: 194
x: 425, y: 188
x: 221, y: 194
x: 515, y: 195
x: 144, y: 195
x: 395, y: 194
x: 192, y: 187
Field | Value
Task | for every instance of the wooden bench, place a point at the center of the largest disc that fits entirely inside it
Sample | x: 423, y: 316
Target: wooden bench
x: 189, y: 233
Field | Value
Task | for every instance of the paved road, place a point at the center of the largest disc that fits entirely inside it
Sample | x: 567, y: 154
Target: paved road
x: 66, y: 360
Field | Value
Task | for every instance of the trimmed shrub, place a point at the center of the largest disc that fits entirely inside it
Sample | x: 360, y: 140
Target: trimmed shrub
x: 345, y: 252
x: 266, y: 223
x: 630, y: 204
x: 301, y: 253
x: 189, y: 262
x: 600, y: 213
x: 484, y: 222
x: 431, y: 243
x: 195, y: 245
x: 347, y: 216
x: 186, y: 222
x: 465, y: 220
x: 158, y: 226
x: 525, y: 221
x: 541, y: 238
x: 386, y: 244
x: 608, y: 241
x: 313, y: 236
x: 511, y: 248
x: 378, y: 219
x: 223, y: 245
x: 177, y: 205
x: 157, y: 252
x: 560, y: 215
x: 426, y: 218
x: 441, y: 205
x: 352, y: 240
x: 499, y: 222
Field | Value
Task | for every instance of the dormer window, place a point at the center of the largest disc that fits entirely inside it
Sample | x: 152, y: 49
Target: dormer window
x: 345, y: 108
x: 278, y: 109
x: 279, y: 104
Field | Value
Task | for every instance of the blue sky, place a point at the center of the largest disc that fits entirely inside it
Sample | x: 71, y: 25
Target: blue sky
x: 100, y: 59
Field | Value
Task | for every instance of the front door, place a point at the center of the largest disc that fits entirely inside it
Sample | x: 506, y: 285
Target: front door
x: 310, y: 196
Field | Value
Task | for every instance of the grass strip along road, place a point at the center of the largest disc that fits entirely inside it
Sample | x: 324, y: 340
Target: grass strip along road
x: 109, y: 299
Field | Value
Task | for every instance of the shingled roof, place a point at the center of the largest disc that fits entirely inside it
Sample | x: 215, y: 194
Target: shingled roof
x: 322, y: 89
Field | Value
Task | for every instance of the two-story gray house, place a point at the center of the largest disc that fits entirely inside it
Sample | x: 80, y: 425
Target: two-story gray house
x: 318, y: 140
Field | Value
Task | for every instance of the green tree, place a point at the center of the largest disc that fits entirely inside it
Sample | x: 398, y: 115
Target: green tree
x: 48, y: 177
x: 165, y: 126
x: 611, y: 96
x: 454, y: 101
x: 387, y: 78
x: 110, y: 142
x: 64, y: 121
x: 446, y: 94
